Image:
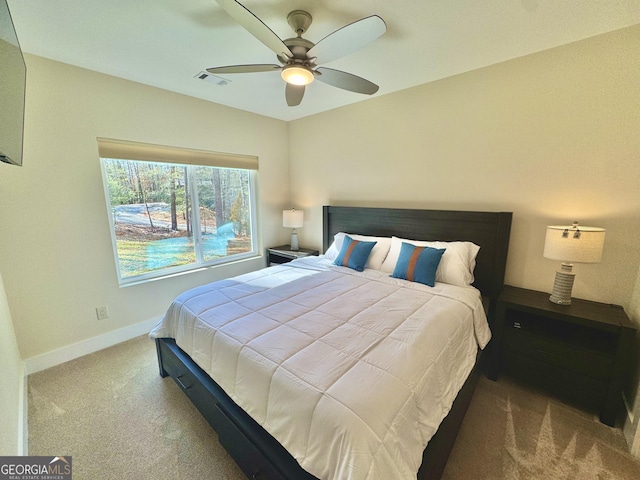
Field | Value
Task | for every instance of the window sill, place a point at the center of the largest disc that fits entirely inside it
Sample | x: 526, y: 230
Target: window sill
x: 191, y: 269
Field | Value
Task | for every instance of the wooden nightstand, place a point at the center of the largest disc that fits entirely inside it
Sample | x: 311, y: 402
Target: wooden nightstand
x: 284, y: 254
x: 580, y: 351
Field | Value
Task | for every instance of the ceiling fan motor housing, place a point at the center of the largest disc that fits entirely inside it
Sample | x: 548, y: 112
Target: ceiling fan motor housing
x: 299, y: 47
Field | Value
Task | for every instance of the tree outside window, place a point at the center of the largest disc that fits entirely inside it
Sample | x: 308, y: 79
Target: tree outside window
x: 174, y: 217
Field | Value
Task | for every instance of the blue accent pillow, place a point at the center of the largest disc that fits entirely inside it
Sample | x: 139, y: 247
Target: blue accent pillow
x: 354, y: 253
x: 418, y: 264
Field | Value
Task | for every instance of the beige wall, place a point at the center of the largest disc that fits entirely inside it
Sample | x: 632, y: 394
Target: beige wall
x: 632, y: 430
x: 552, y: 137
x: 57, y: 258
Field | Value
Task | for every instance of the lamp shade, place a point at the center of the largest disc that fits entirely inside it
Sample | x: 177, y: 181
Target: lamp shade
x: 292, y: 218
x: 574, y: 243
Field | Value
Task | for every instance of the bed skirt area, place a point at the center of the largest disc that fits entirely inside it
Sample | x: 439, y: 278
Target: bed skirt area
x: 257, y: 453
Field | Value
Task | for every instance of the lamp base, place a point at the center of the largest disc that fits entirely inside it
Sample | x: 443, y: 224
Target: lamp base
x: 294, y: 241
x: 562, y: 286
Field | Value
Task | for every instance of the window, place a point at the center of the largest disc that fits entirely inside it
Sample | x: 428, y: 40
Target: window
x: 173, y: 210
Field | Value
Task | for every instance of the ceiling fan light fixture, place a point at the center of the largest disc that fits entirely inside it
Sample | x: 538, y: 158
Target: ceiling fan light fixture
x: 297, y: 75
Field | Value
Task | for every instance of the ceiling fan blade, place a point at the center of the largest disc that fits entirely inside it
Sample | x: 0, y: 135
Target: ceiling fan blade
x: 346, y: 81
x: 244, y: 69
x: 255, y: 26
x: 348, y: 39
x: 294, y: 94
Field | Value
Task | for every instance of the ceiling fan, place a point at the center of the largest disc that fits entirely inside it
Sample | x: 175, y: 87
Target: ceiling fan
x: 298, y: 56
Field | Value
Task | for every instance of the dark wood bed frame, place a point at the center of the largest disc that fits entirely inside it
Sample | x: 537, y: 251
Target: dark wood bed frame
x: 257, y: 453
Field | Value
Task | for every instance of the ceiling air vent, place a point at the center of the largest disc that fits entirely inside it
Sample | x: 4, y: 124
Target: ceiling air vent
x: 207, y: 77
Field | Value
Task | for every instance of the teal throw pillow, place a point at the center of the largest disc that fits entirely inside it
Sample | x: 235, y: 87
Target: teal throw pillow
x: 354, y: 253
x: 418, y: 264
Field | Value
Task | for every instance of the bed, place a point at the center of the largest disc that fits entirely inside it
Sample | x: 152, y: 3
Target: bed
x: 294, y: 345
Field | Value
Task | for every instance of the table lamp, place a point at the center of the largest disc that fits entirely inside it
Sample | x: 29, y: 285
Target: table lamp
x: 293, y: 219
x: 571, y: 244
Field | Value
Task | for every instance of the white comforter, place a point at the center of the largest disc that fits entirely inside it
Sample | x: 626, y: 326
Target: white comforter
x: 351, y: 372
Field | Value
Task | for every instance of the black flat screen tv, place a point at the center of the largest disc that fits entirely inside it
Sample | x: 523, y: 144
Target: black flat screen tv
x: 13, y: 76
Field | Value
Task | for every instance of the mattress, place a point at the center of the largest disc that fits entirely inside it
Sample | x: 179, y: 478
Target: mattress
x: 352, y: 372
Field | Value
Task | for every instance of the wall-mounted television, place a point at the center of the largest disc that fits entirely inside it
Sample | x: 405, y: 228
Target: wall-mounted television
x: 13, y: 76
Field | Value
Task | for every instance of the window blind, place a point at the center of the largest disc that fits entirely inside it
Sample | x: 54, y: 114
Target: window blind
x: 127, y: 150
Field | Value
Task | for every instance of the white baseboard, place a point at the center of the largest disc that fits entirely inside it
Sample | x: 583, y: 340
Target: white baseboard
x: 85, y: 347
x: 23, y: 419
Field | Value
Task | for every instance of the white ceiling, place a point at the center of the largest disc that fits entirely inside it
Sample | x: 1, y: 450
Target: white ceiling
x: 165, y: 43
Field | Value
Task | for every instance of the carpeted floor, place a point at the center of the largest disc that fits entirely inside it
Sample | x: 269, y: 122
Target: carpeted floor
x: 118, y: 419
x: 513, y: 432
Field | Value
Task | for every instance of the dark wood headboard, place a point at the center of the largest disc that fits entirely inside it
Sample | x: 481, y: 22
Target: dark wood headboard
x: 489, y: 230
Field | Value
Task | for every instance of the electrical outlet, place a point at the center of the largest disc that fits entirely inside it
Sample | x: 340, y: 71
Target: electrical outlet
x: 102, y: 312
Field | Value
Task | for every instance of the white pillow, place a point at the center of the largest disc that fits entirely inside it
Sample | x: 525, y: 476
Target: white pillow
x: 377, y: 256
x: 456, y: 266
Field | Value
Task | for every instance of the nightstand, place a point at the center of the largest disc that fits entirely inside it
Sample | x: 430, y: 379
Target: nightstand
x: 581, y: 351
x: 284, y: 254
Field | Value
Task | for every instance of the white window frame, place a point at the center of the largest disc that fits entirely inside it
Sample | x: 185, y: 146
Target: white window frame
x: 110, y: 149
